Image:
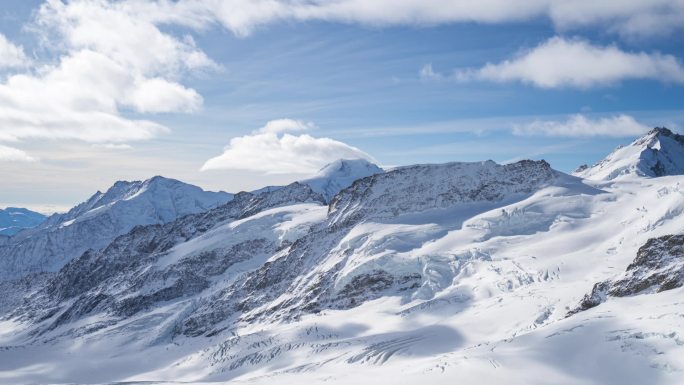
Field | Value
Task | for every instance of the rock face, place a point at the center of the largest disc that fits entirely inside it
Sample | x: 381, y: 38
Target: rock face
x: 96, y: 222
x: 423, y: 187
x: 658, y: 266
x: 658, y: 153
x: 15, y: 219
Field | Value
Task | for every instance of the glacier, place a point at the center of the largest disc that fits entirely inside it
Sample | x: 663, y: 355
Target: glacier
x: 457, y: 272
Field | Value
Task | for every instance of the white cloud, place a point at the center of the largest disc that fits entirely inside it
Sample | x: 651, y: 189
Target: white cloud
x: 580, y: 126
x: 428, y: 73
x: 271, y: 150
x: 120, y: 31
x: 12, y: 56
x: 79, y: 98
x: 10, y: 154
x: 629, y: 18
x: 626, y: 17
x: 109, y: 62
x: 285, y: 125
x: 159, y: 95
x: 113, y: 146
x: 559, y: 62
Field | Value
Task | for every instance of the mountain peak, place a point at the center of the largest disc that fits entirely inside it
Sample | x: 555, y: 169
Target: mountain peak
x: 659, y: 152
x: 347, y: 166
x: 15, y: 219
x: 662, y: 131
x: 94, y: 223
x: 340, y: 174
x: 161, y: 180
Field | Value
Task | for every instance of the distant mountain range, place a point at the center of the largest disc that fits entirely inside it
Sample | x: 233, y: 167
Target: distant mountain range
x: 15, y: 219
x: 95, y: 223
x: 439, y: 273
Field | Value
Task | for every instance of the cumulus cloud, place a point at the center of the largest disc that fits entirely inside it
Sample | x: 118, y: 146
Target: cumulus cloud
x: 11, y: 56
x: 628, y: 18
x: 560, y: 62
x: 79, y: 98
x: 10, y: 154
x: 272, y: 150
x: 109, y: 61
x: 159, y: 95
x: 122, y: 32
x: 580, y: 126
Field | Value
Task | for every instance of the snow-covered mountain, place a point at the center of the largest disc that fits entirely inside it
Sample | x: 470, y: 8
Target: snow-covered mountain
x: 338, y: 175
x: 453, y: 273
x: 15, y: 219
x: 95, y: 223
x: 334, y: 177
x: 660, y: 152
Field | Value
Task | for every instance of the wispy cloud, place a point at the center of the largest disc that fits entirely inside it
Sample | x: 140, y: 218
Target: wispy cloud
x: 11, y: 55
x: 113, y: 146
x: 628, y: 18
x: 428, y: 73
x: 273, y: 150
x: 11, y: 154
x: 285, y: 125
x: 580, y: 126
x: 560, y: 62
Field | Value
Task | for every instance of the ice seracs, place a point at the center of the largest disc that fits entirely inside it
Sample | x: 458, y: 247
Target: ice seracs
x: 660, y: 152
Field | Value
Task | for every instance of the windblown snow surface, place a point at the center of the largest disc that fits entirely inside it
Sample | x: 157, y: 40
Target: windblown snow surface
x: 463, y: 273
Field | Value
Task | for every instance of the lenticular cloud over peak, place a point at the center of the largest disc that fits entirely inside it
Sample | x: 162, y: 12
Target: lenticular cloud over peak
x: 272, y: 149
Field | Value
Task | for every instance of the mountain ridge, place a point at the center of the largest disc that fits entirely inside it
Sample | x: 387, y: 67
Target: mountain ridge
x: 659, y: 152
x: 15, y: 219
x: 455, y: 272
x: 106, y: 215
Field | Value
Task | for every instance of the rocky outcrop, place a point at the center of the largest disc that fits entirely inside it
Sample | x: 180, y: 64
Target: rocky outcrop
x: 418, y: 188
x: 658, y: 266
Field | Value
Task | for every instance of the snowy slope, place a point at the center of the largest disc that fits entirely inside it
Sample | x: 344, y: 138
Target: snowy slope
x: 658, y: 153
x: 454, y: 273
x: 94, y: 223
x: 339, y: 175
x: 334, y: 177
x: 14, y: 219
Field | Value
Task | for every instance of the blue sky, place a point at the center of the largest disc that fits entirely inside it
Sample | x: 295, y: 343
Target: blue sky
x: 398, y: 89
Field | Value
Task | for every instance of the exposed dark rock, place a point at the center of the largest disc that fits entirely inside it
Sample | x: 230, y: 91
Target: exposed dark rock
x: 658, y: 266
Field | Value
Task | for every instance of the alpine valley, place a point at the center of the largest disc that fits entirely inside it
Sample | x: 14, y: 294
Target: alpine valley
x: 472, y: 273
